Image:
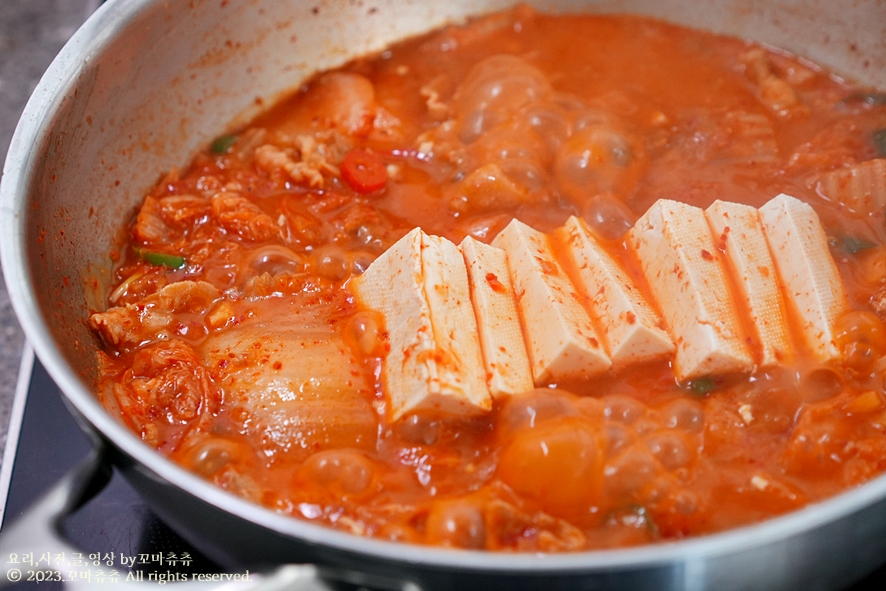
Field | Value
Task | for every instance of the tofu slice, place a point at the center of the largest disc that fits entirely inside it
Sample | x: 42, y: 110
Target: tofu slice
x: 738, y: 229
x: 420, y: 286
x: 495, y: 305
x: 687, y: 277
x: 561, y: 340
x: 813, y: 288
x: 628, y: 325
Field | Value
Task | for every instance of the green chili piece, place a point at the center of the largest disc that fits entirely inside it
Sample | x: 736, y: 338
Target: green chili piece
x: 700, y: 386
x: 854, y: 244
x: 874, y: 99
x: 880, y: 141
x: 161, y: 259
x: 222, y: 144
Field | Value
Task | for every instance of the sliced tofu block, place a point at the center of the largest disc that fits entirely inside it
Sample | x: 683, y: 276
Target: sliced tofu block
x: 420, y: 286
x: 812, y: 285
x: 495, y: 305
x: 630, y: 328
x: 861, y: 188
x: 687, y: 278
x: 561, y: 340
x: 458, y: 357
x: 738, y: 229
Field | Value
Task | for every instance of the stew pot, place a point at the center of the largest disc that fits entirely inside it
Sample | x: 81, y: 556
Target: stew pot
x: 145, y: 83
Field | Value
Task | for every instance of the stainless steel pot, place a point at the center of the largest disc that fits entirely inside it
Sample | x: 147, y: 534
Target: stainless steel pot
x: 145, y: 83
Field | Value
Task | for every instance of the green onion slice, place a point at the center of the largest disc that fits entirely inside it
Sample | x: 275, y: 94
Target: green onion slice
x: 854, y: 244
x: 222, y: 144
x: 880, y: 141
x: 874, y: 99
x: 161, y: 259
x: 700, y: 386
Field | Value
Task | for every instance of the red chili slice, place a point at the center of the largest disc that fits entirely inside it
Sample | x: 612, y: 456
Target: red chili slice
x: 364, y: 171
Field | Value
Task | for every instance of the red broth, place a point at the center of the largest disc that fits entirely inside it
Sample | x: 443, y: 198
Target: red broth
x: 234, y: 346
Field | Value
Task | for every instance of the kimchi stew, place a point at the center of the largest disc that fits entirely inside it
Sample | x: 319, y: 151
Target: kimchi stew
x: 532, y: 283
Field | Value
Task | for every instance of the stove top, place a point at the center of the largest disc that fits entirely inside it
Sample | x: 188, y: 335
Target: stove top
x: 115, y: 528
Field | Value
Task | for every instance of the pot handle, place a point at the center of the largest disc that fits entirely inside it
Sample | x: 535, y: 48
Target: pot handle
x: 39, y: 531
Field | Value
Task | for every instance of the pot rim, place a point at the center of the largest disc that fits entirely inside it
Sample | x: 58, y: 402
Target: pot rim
x: 33, y: 128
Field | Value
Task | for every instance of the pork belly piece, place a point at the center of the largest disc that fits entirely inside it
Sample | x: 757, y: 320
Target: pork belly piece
x: 560, y: 337
x: 861, y: 188
x: 420, y: 286
x: 687, y: 277
x: 133, y: 324
x: 165, y: 395
x: 737, y: 228
x: 495, y: 305
x: 813, y: 288
x: 773, y: 90
x: 630, y: 327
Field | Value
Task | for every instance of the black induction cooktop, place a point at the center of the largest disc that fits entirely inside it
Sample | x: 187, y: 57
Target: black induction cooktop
x: 116, y: 528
